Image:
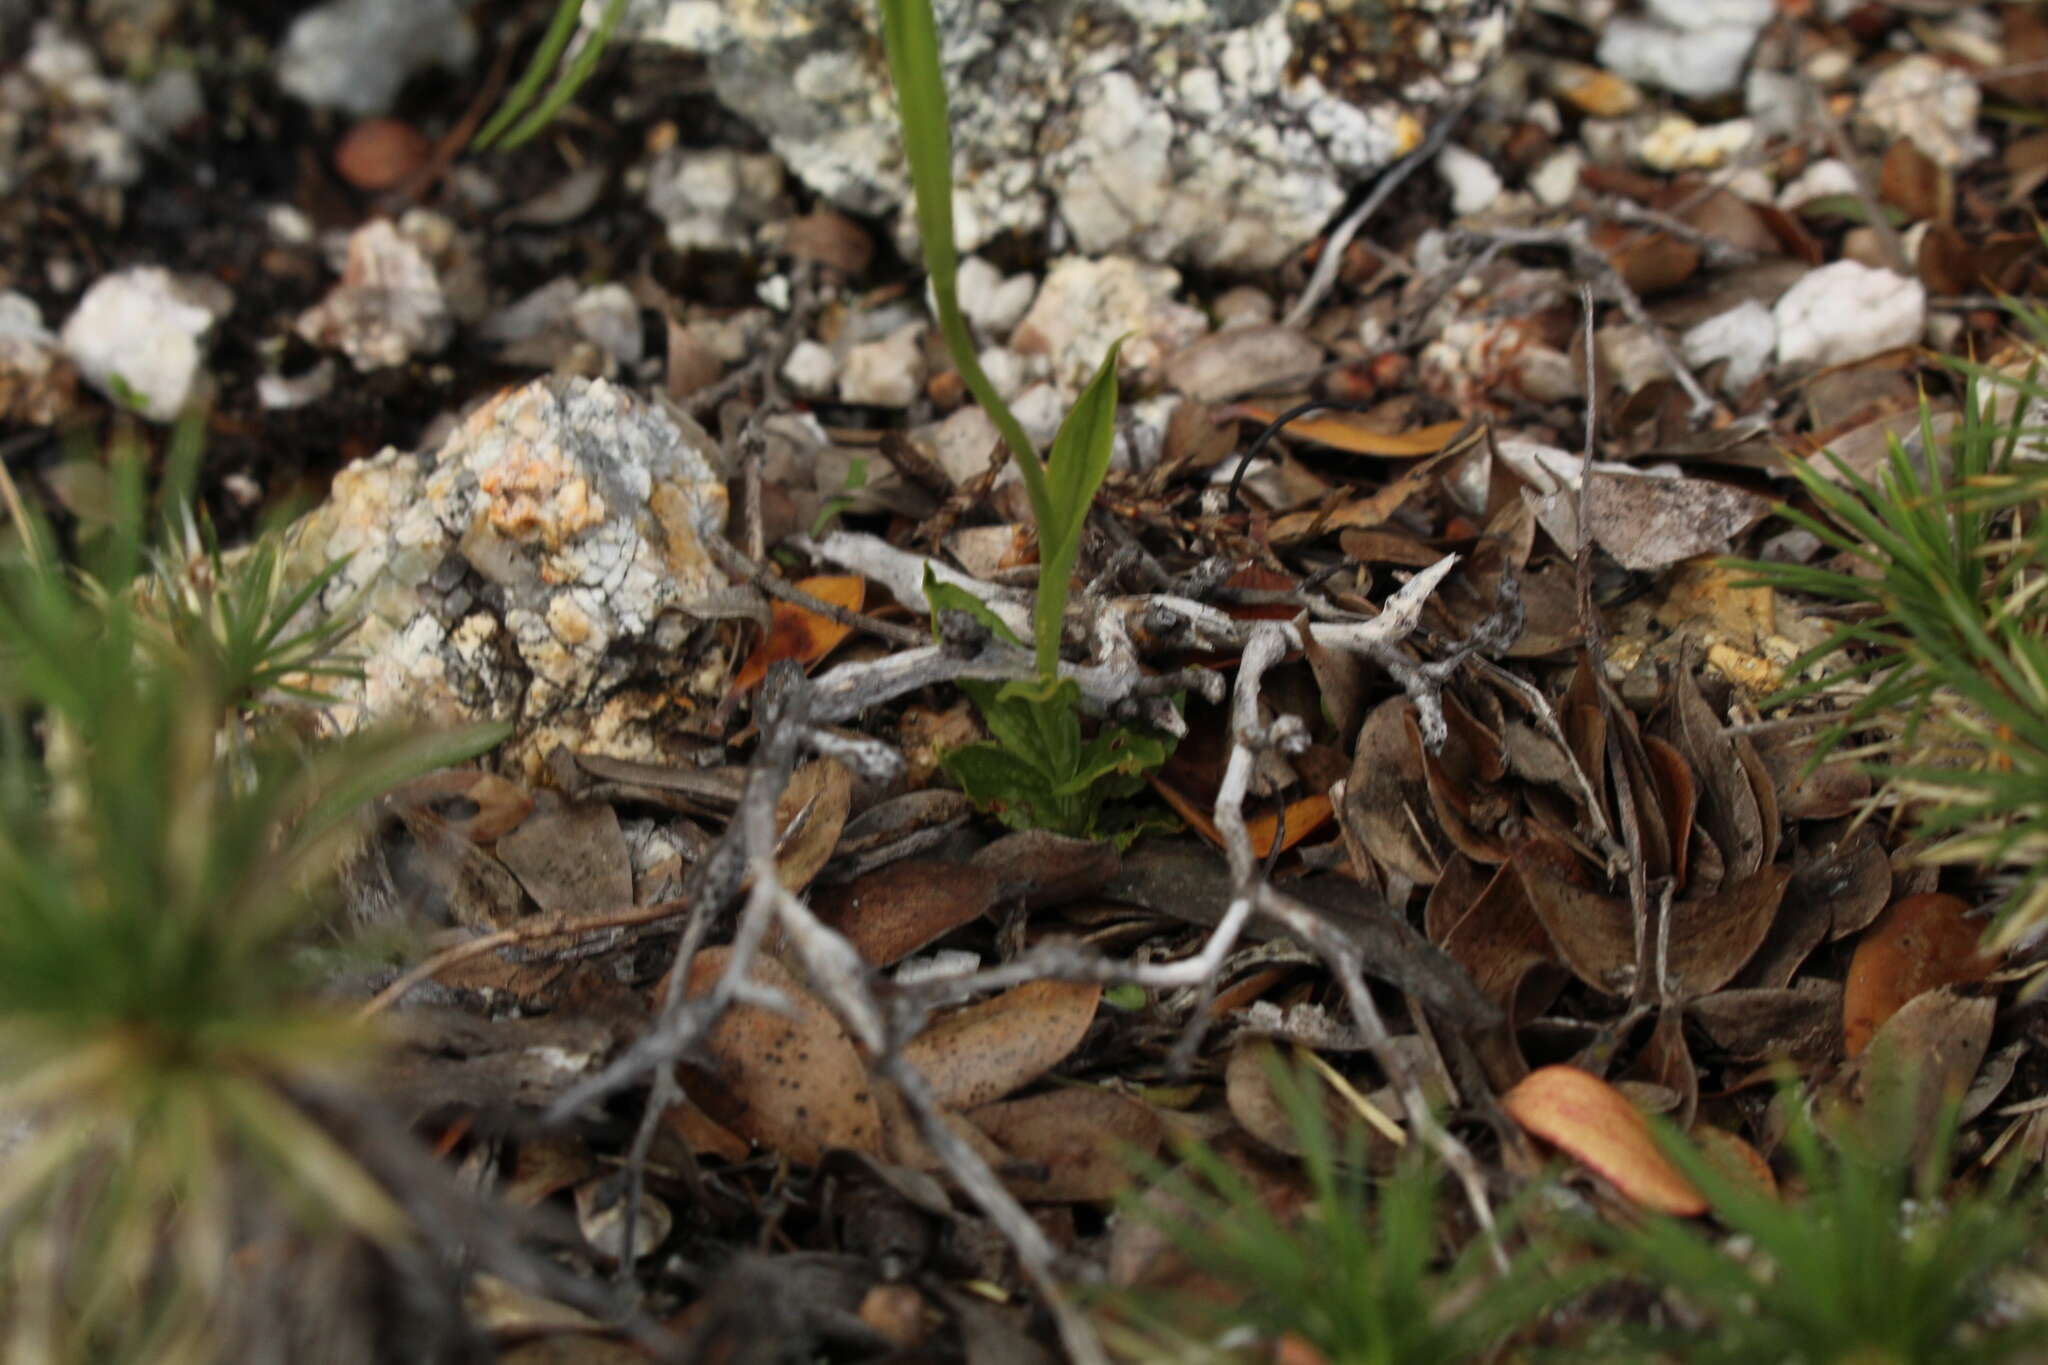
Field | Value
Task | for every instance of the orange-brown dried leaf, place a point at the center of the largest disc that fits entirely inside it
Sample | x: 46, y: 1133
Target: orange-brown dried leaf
x: 799, y: 633
x: 1920, y: 943
x: 1593, y: 1123
x: 1352, y: 431
x: 979, y: 1054
x: 792, y: 1083
x: 890, y: 913
x: 1304, y: 817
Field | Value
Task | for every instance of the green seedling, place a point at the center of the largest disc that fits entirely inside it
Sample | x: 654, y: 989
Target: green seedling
x: 1062, y: 490
x: 1872, y: 1263
x: 157, y: 1043
x: 1945, y: 640
x: 1359, y: 1274
x: 1039, y: 772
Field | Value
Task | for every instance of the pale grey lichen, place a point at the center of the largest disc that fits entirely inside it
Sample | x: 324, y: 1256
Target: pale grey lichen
x: 515, y: 572
x: 1219, y: 133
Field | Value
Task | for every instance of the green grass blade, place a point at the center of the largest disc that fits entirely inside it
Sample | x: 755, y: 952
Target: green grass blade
x: 1080, y: 460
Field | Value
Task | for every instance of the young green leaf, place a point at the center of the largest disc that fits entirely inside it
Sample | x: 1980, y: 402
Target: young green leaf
x: 1080, y: 460
x: 944, y: 596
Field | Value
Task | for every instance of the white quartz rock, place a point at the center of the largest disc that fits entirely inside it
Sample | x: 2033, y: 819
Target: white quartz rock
x: 138, y: 336
x: 1844, y: 312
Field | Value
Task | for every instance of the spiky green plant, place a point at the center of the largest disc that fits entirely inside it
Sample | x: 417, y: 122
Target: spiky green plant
x: 1362, y: 1275
x: 155, y: 1035
x: 1944, y: 643
x: 1876, y: 1261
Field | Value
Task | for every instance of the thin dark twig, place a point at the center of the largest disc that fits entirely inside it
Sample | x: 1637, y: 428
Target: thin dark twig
x: 1390, y: 180
x: 1272, y: 429
x: 775, y: 586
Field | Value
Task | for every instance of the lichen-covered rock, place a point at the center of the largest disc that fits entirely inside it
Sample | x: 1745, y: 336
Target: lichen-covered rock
x: 525, y: 570
x: 1221, y: 133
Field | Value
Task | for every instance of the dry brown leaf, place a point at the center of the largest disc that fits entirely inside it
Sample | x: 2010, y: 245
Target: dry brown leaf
x: 1647, y: 522
x: 572, y: 859
x: 793, y: 1083
x: 1595, y: 1125
x: 808, y: 819
x: 1248, y: 1088
x: 1651, y: 262
x: 1082, y: 1137
x: 1493, y: 934
x: 1735, y: 1160
x: 984, y: 1051
x: 800, y: 634
x: 479, y: 807
x: 1920, y: 943
x: 1804, y: 1025
x: 893, y: 911
x: 1594, y: 933
x: 1920, y: 1060
x: 1387, y: 806
x: 1728, y: 809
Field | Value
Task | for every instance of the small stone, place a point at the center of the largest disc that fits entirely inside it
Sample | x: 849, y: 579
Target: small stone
x: 38, y: 386
x: 1845, y: 312
x: 1821, y: 180
x: 964, y: 443
x: 1474, y: 182
x: 380, y: 153
x: 1695, y: 15
x: 1084, y: 305
x: 888, y: 373
x: 991, y: 302
x: 1244, y: 360
x: 388, y: 307
x: 1696, y: 63
x: 1556, y: 181
x: 1676, y: 143
x: 279, y: 393
x: 714, y: 199
x: 609, y: 315
x: 1744, y: 336
x: 1243, y: 305
x: 1929, y: 102
x: 138, y: 337
x: 355, y: 55
x: 1593, y: 91
x: 1006, y: 370
x: 811, y: 369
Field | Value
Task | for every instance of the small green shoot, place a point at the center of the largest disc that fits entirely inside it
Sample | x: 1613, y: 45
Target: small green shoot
x: 1874, y: 1264
x: 156, y: 1035
x: 1359, y: 1274
x: 515, y: 122
x: 1062, y: 490
x: 1946, y: 642
x: 1038, y: 771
